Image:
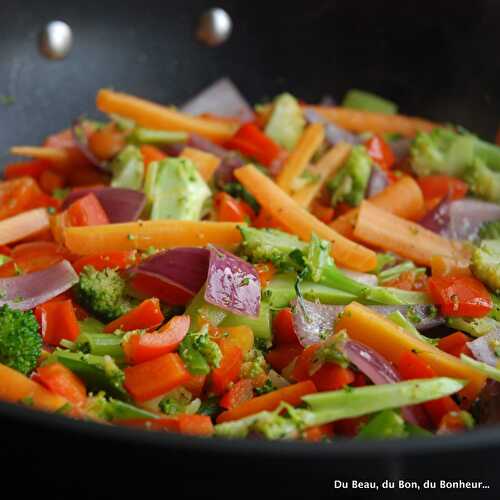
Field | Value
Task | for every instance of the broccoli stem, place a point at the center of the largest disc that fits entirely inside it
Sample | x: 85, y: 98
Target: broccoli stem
x: 142, y: 135
x: 386, y: 424
x: 489, y: 153
x: 101, y: 344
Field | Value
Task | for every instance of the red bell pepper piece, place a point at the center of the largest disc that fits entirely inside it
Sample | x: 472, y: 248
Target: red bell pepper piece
x: 18, y: 195
x: 196, y: 384
x: 61, y: 380
x: 331, y: 377
x: 350, y: 427
x: 195, y: 425
x: 229, y: 368
x: 324, y: 213
x: 155, y: 377
x: 284, y: 332
x: 455, y: 344
x: 145, y: 316
x: 303, y: 363
x: 252, y: 142
x: 50, y: 181
x: 230, y: 209
x: 266, y: 273
x: 240, y: 392
x: 57, y: 321
x: 32, y: 168
x: 380, y: 152
x: 410, y: 367
x: 121, y: 259
x: 86, y: 211
x: 319, y: 433
x: 148, y: 286
x: 460, y: 296
x: 139, y: 348
x: 452, y: 422
x: 280, y: 357
x: 439, y: 186
x: 151, y: 154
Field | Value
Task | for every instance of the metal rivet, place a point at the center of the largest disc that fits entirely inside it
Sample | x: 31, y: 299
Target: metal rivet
x: 56, y: 40
x: 215, y: 27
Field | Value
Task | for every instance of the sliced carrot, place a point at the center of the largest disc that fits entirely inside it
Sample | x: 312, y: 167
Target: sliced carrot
x: 143, y: 317
x: 291, y: 394
x: 381, y: 229
x: 378, y: 123
x: 299, y: 221
x: 23, y: 225
x: 445, y: 266
x: 206, y: 163
x: 57, y: 156
x: 149, y: 114
x: 300, y: 157
x: 403, y: 198
x: 141, y: 235
x: 266, y: 272
x: 16, y: 388
x: 63, y: 381
x: 391, y: 341
x: 106, y: 142
x: 326, y: 167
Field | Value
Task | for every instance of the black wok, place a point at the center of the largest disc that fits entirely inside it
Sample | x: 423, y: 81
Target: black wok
x: 436, y: 59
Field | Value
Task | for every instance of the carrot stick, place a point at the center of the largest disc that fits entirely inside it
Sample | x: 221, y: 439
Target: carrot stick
x: 55, y: 155
x: 379, y: 123
x: 300, y: 157
x: 403, y: 198
x: 302, y: 223
x: 16, y: 387
x: 291, y: 394
x: 206, y: 163
x: 408, y: 239
x: 391, y: 341
x: 23, y: 225
x: 149, y: 114
x: 143, y: 234
x: 326, y: 167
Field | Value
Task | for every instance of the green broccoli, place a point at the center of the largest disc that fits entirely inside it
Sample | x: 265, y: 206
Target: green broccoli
x: 366, y: 101
x: 140, y: 135
x: 176, y: 190
x: 100, y: 407
x: 176, y: 401
x: 128, y: 168
x: 490, y: 230
x: 483, y: 182
x: 199, y: 352
x: 485, y: 264
x: 474, y: 326
x: 20, y: 342
x: 102, y: 293
x: 349, y: 184
x: 287, y: 121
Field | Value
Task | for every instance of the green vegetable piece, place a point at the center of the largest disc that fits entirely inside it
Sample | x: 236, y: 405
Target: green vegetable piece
x: 366, y: 101
x: 4, y: 259
x: 100, y: 373
x: 176, y: 190
x: 476, y: 327
x: 387, y: 424
x: 128, y: 169
x: 103, y: 408
x: 417, y: 431
x: 395, y: 271
x: 176, y: 401
x: 490, y: 230
x: 350, y: 182
x: 198, y: 307
x: 384, y: 260
x: 495, y: 313
x: 101, y: 344
x: 199, y: 352
x: 261, y: 326
x: 141, y: 135
x: 103, y: 293
x: 210, y: 407
x: 91, y: 325
x: 489, y: 371
x: 20, y: 342
x: 286, y: 124
x: 236, y: 190
x: 317, y: 257
x: 483, y: 182
x: 407, y: 325
x: 485, y: 264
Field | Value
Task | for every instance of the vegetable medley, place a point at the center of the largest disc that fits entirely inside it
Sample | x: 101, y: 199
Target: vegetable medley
x: 288, y: 271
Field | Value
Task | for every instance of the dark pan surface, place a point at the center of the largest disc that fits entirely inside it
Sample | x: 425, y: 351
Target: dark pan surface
x: 436, y: 59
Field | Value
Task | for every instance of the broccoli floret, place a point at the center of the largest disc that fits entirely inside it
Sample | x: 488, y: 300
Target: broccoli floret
x: 20, y: 342
x: 100, y: 407
x: 490, y: 230
x: 485, y: 264
x: 349, y: 185
x: 200, y: 352
x: 102, y: 293
x: 483, y: 182
x: 175, y: 401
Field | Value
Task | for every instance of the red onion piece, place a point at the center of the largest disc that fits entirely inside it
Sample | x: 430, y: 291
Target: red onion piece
x: 378, y: 181
x: 333, y: 133
x: 222, y: 98
x: 120, y: 204
x: 467, y: 216
x: 482, y: 347
x: 183, y: 268
x: 28, y: 290
x: 198, y: 142
x: 232, y: 283
x: 81, y: 141
x: 438, y: 219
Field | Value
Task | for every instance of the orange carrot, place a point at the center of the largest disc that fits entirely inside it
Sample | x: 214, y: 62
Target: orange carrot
x: 206, y: 163
x: 16, y: 387
x: 326, y: 167
x: 141, y: 235
x: 378, y: 123
x: 23, y: 225
x: 408, y: 239
x: 403, y: 198
x: 447, y: 266
x: 241, y: 336
x: 291, y: 394
x: 149, y: 114
x: 63, y: 381
x: 391, y: 341
x: 300, y: 157
x: 299, y: 221
x: 54, y: 155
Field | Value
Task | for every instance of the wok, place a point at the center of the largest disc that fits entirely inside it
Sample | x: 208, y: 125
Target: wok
x: 436, y: 59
